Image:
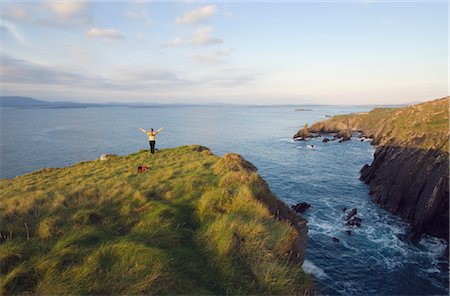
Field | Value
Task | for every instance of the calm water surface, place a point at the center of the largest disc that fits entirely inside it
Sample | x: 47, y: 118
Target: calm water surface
x: 374, y: 260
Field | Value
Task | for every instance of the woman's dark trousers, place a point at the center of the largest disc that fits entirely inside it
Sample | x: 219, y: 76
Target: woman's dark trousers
x: 152, y: 147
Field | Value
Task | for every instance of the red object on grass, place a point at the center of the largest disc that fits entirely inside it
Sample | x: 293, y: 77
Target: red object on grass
x: 141, y: 168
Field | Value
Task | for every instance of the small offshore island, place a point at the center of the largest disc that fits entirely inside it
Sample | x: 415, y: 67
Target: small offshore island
x: 192, y: 223
x: 409, y: 173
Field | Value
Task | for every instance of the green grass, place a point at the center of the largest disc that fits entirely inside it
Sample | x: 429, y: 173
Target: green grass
x: 423, y: 126
x: 193, y: 223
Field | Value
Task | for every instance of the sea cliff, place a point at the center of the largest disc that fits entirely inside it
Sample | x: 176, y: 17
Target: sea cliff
x: 189, y: 223
x: 409, y: 173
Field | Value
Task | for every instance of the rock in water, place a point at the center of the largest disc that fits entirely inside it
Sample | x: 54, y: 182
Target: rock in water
x: 354, y: 221
x: 326, y: 140
x: 352, y: 213
x: 335, y: 239
x: 301, y: 207
x: 409, y: 175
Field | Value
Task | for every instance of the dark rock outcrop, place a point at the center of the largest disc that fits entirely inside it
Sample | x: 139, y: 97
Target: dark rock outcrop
x: 301, y: 207
x: 352, y: 213
x: 354, y: 221
x: 412, y: 183
x: 409, y: 173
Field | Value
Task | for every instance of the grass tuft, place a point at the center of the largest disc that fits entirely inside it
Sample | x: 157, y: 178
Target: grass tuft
x: 193, y: 223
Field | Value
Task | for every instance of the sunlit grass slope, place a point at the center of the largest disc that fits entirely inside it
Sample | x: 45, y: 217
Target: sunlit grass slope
x: 193, y: 223
x: 423, y: 126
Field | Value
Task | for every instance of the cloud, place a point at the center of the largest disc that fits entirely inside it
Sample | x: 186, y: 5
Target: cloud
x: 203, y: 37
x: 137, y: 15
x: 140, y: 37
x: 66, y: 9
x: 15, y: 13
x: 177, y: 41
x: 196, y: 16
x: 214, y: 56
x: 21, y: 72
x: 63, y: 14
x: 6, y: 28
x: 132, y: 82
x: 108, y: 34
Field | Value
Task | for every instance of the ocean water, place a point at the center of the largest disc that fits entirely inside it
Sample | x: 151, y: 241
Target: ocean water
x: 375, y: 259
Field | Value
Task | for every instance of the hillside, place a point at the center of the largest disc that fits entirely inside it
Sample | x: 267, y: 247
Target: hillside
x: 423, y: 126
x: 15, y: 101
x: 192, y: 223
x: 409, y: 173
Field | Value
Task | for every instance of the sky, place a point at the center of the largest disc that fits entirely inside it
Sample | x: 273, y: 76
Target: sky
x: 360, y: 52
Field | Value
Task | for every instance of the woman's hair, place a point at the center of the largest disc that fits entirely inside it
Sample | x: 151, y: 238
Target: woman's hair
x: 151, y: 129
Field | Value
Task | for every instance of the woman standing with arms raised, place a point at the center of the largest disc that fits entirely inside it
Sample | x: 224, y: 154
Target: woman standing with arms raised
x: 151, y: 137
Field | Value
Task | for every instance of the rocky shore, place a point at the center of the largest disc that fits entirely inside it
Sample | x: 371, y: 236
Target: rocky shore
x: 409, y: 173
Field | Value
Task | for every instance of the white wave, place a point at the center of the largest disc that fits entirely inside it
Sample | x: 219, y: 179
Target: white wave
x: 286, y: 140
x: 315, y: 270
x: 431, y: 270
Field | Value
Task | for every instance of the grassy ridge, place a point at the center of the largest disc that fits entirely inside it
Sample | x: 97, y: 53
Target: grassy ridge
x: 193, y: 223
x: 422, y: 126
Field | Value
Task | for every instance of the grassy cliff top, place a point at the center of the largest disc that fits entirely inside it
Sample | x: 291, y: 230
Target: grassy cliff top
x: 423, y: 126
x: 193, y: 223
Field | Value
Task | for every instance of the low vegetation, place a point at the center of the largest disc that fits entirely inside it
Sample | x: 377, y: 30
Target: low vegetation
x: 423, y: 126
x: 192, y: 223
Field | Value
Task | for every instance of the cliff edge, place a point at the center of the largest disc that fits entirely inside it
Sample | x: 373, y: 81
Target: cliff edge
x: 187, y: 222
x: 409, y: 173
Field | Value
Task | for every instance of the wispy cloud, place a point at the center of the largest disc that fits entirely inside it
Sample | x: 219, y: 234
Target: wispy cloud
x: 215, y: 56
x: 66, y: 9
x: 140, y: 37
x: 196, y: 16
x: 108, y: 34
x: 138, y: 14
x: 177, y: 41
x: 203, y: 37
x: 137, y: 82
x: 21, y: 72
x: 61, y: 14
x: 15, y: 13
x: 7, y: 28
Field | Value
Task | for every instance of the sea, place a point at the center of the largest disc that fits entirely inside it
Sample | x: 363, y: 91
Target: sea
x: 376, y: 259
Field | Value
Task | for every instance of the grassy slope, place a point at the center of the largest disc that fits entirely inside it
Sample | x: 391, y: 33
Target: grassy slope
x: 422, y: 126
x: 190, y: 224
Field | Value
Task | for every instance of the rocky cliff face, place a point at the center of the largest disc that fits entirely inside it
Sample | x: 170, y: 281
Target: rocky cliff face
x: 413, y: 184
x: 409, y: 173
